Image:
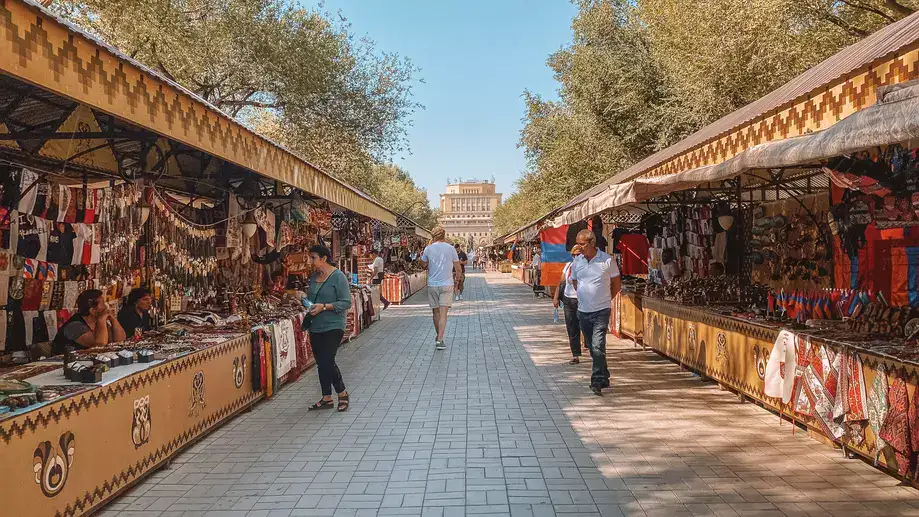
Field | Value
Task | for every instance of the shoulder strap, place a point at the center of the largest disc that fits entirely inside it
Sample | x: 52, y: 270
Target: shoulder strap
x: 316, y: 296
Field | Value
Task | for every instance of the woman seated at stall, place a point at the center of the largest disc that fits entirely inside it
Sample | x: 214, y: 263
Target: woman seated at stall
x: 93, y: 325
x: 134, y: 316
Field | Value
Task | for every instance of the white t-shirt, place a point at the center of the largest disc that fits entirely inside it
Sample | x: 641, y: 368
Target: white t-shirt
x: 570, y: 291
x: 440, y: 257
x: 594, y: 279
x: 377, y: 265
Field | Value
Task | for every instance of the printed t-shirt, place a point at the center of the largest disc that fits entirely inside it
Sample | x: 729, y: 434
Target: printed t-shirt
x: 60, y: 244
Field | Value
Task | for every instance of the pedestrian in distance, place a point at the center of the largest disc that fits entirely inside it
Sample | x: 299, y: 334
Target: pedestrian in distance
x: 567, y: 296
x: 330, y: 295
x: 443, y: 266
x: 596, y: 278
x: 460, y: 281
x: 377, y: 273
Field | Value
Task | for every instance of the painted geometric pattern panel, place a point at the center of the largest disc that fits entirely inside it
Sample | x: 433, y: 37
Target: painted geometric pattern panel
x: 38, y: 49
x: 818, y: 111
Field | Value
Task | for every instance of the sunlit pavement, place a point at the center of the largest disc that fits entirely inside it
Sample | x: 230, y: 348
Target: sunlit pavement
x: 500, y: 424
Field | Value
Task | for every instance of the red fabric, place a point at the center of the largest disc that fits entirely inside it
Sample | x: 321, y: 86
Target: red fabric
x: 553, y: 235
x: 896, y: 431
x: 551, y: 273
x: 634, y: 248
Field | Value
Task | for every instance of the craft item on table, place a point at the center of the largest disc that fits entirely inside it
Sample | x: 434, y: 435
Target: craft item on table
x: 896, y: 428
x: 145, y: 356
x: 125, y: 357
x: 48, y: 393
x: 20, y: 401
x: 878, y: 408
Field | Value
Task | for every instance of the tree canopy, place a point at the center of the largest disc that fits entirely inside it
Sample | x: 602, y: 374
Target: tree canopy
x: 297, y: 74
x: 641, y: 75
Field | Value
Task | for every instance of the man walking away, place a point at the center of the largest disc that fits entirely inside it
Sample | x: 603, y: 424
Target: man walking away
x: 443, y: 264
x: 461, y: 279
x: 377, y: 273
x: 596, y: 279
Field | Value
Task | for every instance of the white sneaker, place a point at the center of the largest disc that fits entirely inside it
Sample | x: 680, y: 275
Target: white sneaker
x: 440, y: 345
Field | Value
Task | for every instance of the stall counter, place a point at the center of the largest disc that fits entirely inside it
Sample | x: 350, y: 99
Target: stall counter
x: 71, y: 456
x: 734, y: 352
x: 631, y: 322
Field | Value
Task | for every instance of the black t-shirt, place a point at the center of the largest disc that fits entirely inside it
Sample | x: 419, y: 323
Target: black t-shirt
x: 131, y: 321
x: 69, y: 334
x: 60, y: 244
x: 463, y: 257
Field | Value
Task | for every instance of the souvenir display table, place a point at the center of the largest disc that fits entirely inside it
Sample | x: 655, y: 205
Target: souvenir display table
x: 839, y: 381
x: 71, y: 454
x: 517, y: 272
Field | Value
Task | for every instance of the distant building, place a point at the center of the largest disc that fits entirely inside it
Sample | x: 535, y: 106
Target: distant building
x: 467, y: 211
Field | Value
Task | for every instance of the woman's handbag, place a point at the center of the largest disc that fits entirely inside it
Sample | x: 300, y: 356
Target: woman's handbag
x: 308, y: 318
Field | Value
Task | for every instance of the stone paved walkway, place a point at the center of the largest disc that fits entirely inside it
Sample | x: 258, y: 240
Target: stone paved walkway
x: 500, y: 424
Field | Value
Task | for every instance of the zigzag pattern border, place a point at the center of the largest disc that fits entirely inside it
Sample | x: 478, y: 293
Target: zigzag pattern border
x: 29, y: 422
x: 89, y: 73
x: 123, y: 478
x: 819, y: 111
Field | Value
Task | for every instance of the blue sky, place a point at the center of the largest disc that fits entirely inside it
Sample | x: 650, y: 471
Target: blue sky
x: 476, y: 58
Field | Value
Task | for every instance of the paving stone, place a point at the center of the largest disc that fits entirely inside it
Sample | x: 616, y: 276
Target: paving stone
x: 500, y: 424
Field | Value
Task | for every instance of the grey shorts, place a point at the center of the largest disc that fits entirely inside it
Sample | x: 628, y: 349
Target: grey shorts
x: 440, y: 296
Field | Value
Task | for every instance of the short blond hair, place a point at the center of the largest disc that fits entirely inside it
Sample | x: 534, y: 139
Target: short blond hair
x: 438, y: 233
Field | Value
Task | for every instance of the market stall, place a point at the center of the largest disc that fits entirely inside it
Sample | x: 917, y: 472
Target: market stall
x: 101, y: 190
x: 784, y: 265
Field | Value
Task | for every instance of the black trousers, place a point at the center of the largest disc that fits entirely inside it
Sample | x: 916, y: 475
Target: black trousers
x: 325, y: 346
x: 379, y: 281
x: 572, y: 324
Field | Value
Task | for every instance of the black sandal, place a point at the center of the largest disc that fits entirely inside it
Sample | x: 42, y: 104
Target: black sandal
x: 322, y: 404
x: 343, y: 402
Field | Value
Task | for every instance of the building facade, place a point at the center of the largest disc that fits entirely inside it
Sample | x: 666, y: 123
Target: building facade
x: 467, y: 211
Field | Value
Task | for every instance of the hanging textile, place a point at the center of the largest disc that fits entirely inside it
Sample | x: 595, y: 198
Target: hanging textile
x: 285, y: 350
x: 852, y: 402
x: 896, y: 430
x: 553, y: 255
x: 878, y: 408
x: 821, y: 381
x: 634, y: 248
x: 780, y: 370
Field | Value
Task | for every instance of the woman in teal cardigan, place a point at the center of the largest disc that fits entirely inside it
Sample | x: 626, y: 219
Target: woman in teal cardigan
x: 331, y: 296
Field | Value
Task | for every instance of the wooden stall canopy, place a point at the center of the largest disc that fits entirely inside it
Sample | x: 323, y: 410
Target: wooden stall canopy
x: 841, y: 85
x: 46, y: 52
x: 892, y: 119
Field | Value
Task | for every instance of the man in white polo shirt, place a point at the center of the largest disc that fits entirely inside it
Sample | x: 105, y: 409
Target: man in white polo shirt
x: 595, y: 275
